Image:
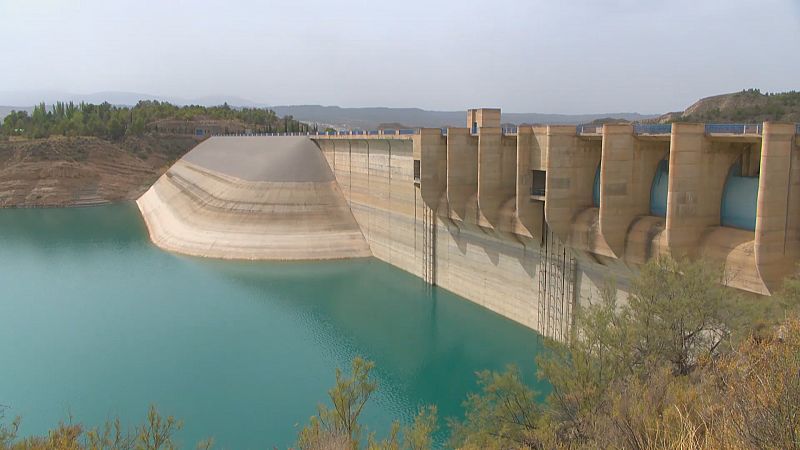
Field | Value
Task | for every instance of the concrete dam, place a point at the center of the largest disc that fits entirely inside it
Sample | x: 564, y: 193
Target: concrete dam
x: 252, y: 198
x: 526, y: 221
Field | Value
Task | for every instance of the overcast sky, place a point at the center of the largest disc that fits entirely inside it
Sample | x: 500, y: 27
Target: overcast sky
x: 579, y: 56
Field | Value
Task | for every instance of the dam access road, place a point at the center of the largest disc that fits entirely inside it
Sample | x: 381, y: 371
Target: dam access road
x: 525, y: 221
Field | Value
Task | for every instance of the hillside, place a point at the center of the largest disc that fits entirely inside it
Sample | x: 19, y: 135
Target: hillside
x: 107, y: 121
x: 745, y: 106
x: 82, y: 154
x: 78, y: 171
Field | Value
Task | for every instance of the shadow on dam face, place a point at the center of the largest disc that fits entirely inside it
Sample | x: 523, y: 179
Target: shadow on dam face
x: 258, y: 198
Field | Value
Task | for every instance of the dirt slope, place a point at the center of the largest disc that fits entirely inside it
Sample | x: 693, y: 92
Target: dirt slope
x: 749, y: 106
x: 62, y: 171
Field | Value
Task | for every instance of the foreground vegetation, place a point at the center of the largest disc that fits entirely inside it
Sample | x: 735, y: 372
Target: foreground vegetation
x: 678, y: 366
x: 156, y: 433
x: 681, y: 365
x: 114, y: 122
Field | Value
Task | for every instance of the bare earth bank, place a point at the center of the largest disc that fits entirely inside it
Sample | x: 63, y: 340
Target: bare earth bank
x: 81, y: 171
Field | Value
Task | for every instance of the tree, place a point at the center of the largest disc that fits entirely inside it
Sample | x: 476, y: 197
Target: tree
x: 95, y: 126
x: 418, y: 436
x: 155, y: 434
x: 116, y: 129
x: 625, y: 367
x: 107, y: 121
x: 75, y: 125
x: 338, y: 427
x: 505, y: 414
x: 582, y: 371
x: 676, y: 314
x: 340, y: 423
x: 110, y: 437
x: 137, y: 126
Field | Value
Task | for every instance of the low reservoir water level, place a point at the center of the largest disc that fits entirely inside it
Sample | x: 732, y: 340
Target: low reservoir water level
x: 96, y: 322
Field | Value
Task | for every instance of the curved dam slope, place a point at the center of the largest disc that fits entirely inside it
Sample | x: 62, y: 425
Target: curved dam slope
x: 270, y: 198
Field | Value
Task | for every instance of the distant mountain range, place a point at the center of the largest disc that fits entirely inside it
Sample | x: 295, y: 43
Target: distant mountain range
x: 369, y: 118
x: 4, y: 110
x: 335, y: 116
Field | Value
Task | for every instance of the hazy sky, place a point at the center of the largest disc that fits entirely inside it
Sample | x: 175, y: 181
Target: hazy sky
x: 554, y: 56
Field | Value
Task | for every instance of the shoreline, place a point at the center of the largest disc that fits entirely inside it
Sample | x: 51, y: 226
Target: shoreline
x: 73, y: 205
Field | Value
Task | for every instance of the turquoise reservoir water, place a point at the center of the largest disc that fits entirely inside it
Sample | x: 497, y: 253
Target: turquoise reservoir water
x: 96, y: 322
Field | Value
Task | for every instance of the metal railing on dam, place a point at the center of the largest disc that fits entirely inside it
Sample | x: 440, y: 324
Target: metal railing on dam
x: 666, y: 129
x: 741, y: 129
x: 589, y: 129
x: 733, y: 128
x: 507, y: 130
x: 654, y: 128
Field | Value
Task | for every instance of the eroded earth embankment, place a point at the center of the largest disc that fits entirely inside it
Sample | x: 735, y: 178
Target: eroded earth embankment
x: 79, y: 171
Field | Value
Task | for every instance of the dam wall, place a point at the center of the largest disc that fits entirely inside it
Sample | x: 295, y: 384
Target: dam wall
x: 376, y: 179
x: 527, y: 221
x: 247, y: 198
x: 519, y: 277
x: 530, y: 221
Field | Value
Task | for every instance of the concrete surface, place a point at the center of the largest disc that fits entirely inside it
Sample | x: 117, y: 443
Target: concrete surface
x: 469, y: 223
x: 252, y: 198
